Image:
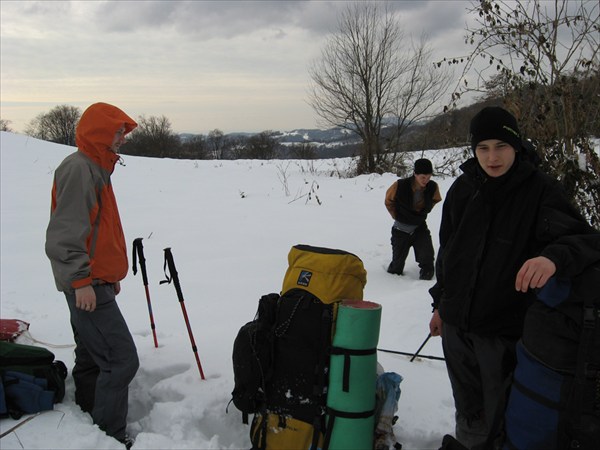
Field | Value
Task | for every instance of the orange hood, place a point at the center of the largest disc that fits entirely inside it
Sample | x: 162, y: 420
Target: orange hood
x: 96, y: 130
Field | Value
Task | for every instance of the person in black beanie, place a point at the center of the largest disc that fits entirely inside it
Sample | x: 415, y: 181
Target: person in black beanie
x: 500, y: 232
x: 408, y: 201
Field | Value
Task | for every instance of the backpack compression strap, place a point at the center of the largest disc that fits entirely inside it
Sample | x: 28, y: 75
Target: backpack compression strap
x: 347, y: 353
x: 333, y: 413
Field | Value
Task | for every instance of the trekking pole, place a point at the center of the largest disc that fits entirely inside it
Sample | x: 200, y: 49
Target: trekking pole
x: 437, y: 358
x: 170, y: 263
x: 420, y: 348
x: 414, y: 355
x: 138, y: 249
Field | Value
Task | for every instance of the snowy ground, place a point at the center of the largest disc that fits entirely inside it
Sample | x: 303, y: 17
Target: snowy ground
x: 230, y: 225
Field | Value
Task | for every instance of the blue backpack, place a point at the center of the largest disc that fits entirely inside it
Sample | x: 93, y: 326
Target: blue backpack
x: 554, y: 402
x: 32, y: 380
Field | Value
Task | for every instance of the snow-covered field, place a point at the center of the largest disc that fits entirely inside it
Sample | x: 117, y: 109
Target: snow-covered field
x: 230, y: 225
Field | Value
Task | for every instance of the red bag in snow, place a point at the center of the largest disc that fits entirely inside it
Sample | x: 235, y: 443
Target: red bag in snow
x: 11, y: 329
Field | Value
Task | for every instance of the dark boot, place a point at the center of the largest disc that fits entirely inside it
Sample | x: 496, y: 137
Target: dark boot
x: 449, y: 443
x: 394, y: 269
x: 426, y: 274
x: 127, y: 441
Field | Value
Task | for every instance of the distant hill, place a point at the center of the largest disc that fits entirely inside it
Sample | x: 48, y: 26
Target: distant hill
x: 340, y: 142
x: 332, y: 143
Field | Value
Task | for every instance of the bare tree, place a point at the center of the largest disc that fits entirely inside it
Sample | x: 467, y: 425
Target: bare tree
x: 218, y: 144
x: 303, y: 150
x: 5, y: 125
x: 366, y: 74
x: 237, y: 149
x: 195, y: 147
x: 261, y: 146
x: 58, y: 125
x: 421, y: 87
x: 153, y: 137
x: 545, y: 57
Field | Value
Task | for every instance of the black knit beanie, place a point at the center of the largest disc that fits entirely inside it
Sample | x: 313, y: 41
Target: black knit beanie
x: 423, y: 166
x: 494, y: 122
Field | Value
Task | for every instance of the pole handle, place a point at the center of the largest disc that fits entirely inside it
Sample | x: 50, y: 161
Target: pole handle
x: 138, y: 249
x: 173, y: 276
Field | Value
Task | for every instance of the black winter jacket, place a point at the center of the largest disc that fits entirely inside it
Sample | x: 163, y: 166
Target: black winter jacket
x: 489, y: 228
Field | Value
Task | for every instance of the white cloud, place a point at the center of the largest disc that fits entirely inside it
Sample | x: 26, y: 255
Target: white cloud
x: 234, y: 65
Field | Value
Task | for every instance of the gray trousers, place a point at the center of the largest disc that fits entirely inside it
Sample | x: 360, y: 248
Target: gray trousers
x: 480, y: 370
x: 106, y: 360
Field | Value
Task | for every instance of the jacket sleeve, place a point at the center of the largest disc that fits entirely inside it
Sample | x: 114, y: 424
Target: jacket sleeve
x: 390, y: 198
x: 446, y: 229
x: 74, y: 202
x: 437, y: 197
x: 573, y: 243
x: 572, y: 254
x: 437, y: 289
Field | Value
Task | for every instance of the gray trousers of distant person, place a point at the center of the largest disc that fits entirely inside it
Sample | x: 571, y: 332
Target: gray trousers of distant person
x: 106, y: 361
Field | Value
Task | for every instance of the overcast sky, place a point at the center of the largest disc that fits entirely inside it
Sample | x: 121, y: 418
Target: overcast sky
x: 232, y: 65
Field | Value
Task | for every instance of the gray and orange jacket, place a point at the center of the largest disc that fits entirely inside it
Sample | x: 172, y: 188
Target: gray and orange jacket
x: 84, y: 239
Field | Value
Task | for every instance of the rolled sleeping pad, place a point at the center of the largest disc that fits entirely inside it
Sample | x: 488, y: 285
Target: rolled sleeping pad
x: 353, y: 376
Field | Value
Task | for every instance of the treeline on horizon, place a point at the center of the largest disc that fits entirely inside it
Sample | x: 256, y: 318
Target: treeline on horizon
x: 155, y: 137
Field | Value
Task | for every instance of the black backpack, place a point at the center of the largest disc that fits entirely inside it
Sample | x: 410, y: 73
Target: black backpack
x: 281, y: 358
x: 32, y: 380
x: 280, y: 362
x: 302, y: 343
x: 253, y: 356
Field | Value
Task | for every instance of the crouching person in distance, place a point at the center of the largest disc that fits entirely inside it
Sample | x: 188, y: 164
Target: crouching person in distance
x: 86, y: 247
x: 408, y: 201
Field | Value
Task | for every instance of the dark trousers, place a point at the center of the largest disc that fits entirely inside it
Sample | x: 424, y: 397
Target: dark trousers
x: 480, y: 370
x: 420, y: 241
x: 85, y: 372
x: 106, y: 361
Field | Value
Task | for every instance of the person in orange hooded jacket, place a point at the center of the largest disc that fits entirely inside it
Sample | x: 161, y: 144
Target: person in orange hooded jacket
x: 86, y: 247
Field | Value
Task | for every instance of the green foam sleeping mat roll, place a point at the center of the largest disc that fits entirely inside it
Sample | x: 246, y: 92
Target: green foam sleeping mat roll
x: 353, y: 376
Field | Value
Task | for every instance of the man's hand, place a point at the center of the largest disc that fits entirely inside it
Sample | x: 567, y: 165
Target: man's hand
x: 534, y: 273
x: 435, y: 324
x: 85, y: 298
x: 117, y: 286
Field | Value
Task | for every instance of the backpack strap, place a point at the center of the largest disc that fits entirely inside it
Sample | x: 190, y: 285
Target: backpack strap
x: 326, y: 322
x: 333, y: 413
x: 347, y: 353
x: 259, y: 431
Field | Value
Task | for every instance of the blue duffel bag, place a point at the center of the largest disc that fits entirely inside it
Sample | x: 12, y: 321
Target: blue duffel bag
x: 534, y: 405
